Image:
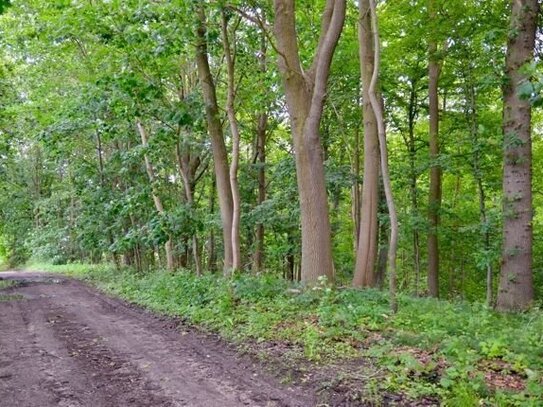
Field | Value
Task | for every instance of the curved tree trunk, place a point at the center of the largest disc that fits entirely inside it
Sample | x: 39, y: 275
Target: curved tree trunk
x: 234, y: 131
x: 516, y: 289
x: 378, y: 110
x: 366, y: 254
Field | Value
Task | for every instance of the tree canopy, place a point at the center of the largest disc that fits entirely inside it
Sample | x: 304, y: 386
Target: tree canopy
x: 237, y: 135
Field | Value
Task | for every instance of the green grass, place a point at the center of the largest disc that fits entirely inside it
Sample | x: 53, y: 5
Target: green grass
x: 6, y: 284
x: 465, y: 354
x: 8, y: 297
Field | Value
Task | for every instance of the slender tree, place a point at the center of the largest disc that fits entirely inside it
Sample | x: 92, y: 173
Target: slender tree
x: 260, y: 156
x: 229, y: 57
x: 366, y: 254
x: 434, y: 199
x: 214, y: 128
x: 376, y: 104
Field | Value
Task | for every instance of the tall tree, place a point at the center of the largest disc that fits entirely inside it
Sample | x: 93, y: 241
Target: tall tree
x: 377, y: 104
x: 366, y: 253
x: 305, y: 94
x: 516, y: 289
x: 434, y: 199
x: 229, y: 56
x: 214, y: 127
x: 260, y: 157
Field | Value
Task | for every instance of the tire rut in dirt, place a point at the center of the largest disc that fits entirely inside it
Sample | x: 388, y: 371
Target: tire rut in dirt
x: 119, y: 381
x: 71, y: 346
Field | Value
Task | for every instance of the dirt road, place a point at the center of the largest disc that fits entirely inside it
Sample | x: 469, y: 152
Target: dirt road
x: 64, y: 344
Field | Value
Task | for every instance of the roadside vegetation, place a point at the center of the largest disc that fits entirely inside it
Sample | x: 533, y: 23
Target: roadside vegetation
x: 463, y: 354
x: 6, y: 284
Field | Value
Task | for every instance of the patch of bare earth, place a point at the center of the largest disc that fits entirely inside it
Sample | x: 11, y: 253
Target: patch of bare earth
x: 64, y: 344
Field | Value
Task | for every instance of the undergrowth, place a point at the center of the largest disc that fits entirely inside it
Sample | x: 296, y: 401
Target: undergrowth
x: 464, y: 354
x: 6, y: 284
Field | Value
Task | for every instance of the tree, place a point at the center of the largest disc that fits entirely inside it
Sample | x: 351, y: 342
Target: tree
x: 366, y: 253
x: 260, y: 157
x: 376, y: 104
x: 516, y: 289
x: 214, y: 127
x: 434, y: 198
x: 229, y: 57
x: 305, y: 94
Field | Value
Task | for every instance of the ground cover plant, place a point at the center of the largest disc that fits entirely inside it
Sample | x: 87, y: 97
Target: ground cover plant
x: 461, y: 353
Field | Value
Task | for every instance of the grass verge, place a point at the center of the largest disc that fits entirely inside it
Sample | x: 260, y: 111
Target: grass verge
x: 6, y: 284
x: 462, y: 354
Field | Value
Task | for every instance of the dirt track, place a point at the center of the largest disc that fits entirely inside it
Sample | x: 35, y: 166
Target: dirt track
x: 64, y: 344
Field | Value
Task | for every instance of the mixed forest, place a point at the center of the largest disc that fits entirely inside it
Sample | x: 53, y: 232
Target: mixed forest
x: 242, y: 136
x: 393, y: 145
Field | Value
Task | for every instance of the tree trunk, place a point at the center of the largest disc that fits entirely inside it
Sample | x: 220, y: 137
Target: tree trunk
x: 261, y: 154
x: 434, y: 201
x: 355, y: 191
x: 366, y: 254
x: 376, y: 104
x: 412, y: 150
x: 516, y: 289
x: 261, y: 133
x: 183, y: 163
x: 214, y: 127
x: 305, y: 94
x: 100, y: 156
x: 234, y: 132
x: 381, y: 266
x: 211, y: 250
x: 168, y: 246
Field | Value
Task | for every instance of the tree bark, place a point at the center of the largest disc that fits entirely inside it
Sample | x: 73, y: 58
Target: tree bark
x: 211, y: 250
x: 214, y: 127
x: 434, y: 201
x: 366, y: 254
x: 261, y: 134
x: 183, y: 163
x: 355, y: 190
x: 412, y: 113
x: 261, y: 153
x: 516, y: 291
x: 234, y: 132
x: 168, y: 246
x: 382, y: 256
x: 305, y: 93
x: 376, y: 104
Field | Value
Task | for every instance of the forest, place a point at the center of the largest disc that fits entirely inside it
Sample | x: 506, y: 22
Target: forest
x: 390, y: 150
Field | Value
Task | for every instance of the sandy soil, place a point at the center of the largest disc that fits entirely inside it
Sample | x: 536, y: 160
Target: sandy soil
x: 64, y: 344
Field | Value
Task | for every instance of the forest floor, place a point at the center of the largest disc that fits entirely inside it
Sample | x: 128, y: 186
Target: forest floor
x: 64, y: 344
